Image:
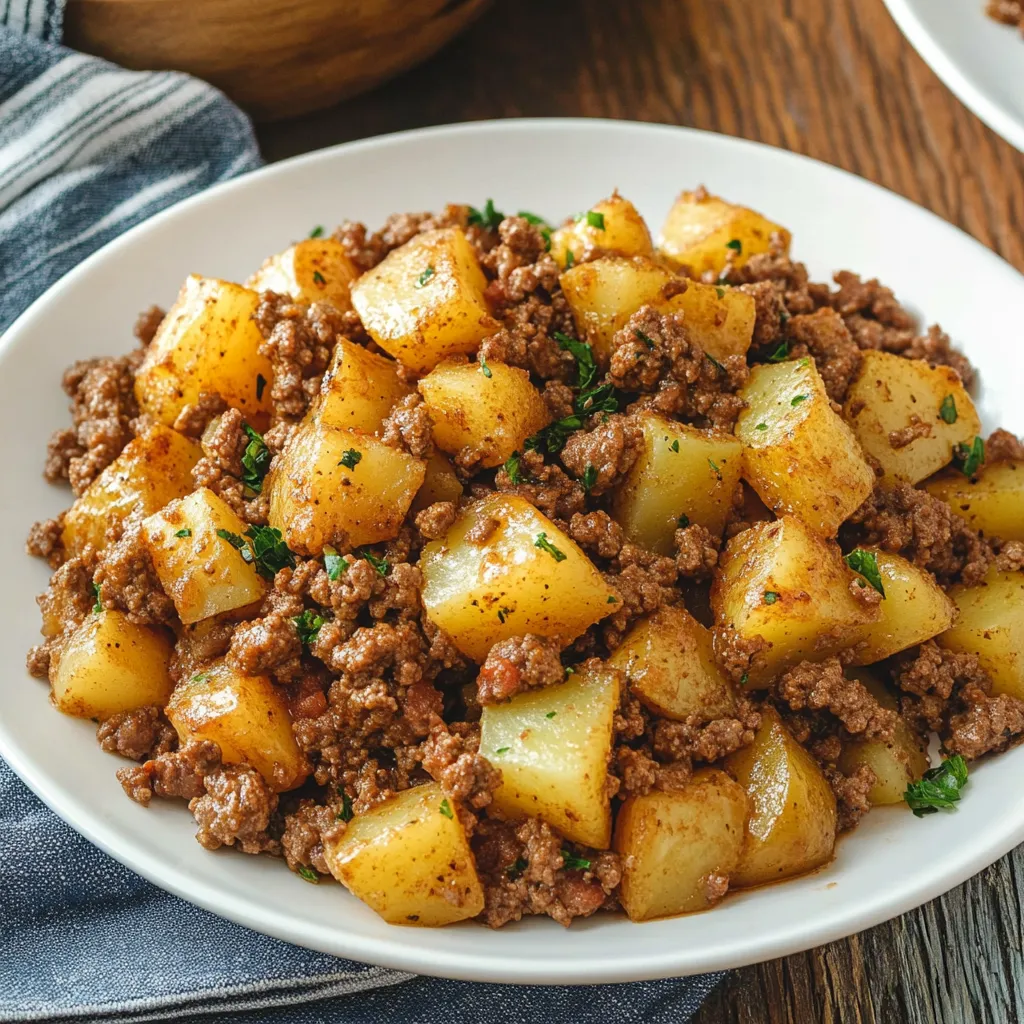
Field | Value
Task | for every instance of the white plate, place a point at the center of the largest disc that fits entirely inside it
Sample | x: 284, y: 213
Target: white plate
x: 979, y: 59
x: 892, y: 863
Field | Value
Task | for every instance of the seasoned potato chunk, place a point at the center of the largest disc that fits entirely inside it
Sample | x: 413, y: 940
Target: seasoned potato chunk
x: 331, y: 483
x: 670, y: 843
x: 682, y: 474
x: 199, y: 567
x: 702, y: 231
x: 207, y: 343
x: 670, y: 665
x: 552, y: 746
x: 109, y: 664
x: 990, y: 624
x: 492, y: 413
x: 783, y: 583
x: 246, y: 716
x: 313, y: 270
x: 604, y: 293
x: 613, y: 225
x: 409, y: 860
x: 915, y: 609
x: 439, y: 483
x: 792, y: 823
x: 799, y: 456
x: 992, y: 501
x: 506, y: 570
x: 424, y: 301
x: 359, y: 389
x: 154, y: 468
x: 909, y: 415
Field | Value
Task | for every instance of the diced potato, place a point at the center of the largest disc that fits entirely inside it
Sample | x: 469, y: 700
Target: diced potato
x: 359, y: 389
x: 409, y: 860
x: 154, y: 468
x: 702, y: 231
x: 525, y: 576
x: 681, y: 471
x: 799, y: 456
x: 782, y: 582
x: 552, y: 746
x: 892, y: 394
x: 670, y: 843
x: 246, y: 716
x: 330, y: 483
x: 670, y: 666
x: 604, y: 293
x: 992, y: 501
x: 207, y: 343
x: 424, y: 301
x: 313, y: 270
x: 109, y: 665
x: 792, y: 823
x: 990, y: 624
x: 915, y: 609
x: 439, y: 484
x: 492, y: 413
x: 613, y: 225
x: 200, y: 570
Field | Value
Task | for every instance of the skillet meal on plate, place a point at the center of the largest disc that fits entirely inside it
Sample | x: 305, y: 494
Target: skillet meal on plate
x: 1009, y: 12
x: 498, y: 569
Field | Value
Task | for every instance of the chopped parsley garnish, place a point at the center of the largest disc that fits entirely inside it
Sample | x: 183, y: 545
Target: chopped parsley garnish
x: 319, y: 278
x: 269, y: 551
x: 947, y: 411
x: 531, y: 217
x: 969, y: 457
x: 612, y: 600
x: 382, y: 565
x: 797, y: 399
x: 553, y: 437
x: 183, y: 532
x: 484, y: 368
x: 503, y: 614
x: 517, y: 869
x: 512, y: 468
x: 544, y: 544
x: 866, y: 564
x: 715, y: 469
x: 589, y: 477
x: 744, y: 679
x: 334, y: 563
x: 714, y: 362
x: 350, y: 458
x: 503, y: 750
x: 309, y: 875
x: 569, y: 259
x: 640, y: 336
x: 721, y: 292
x: 346, y: 807
x: 595, y: 219
x: 551, y: 714
x: 770, y: 597
x: 233, y: 539
x: 683, y: 521
x: 317, y: 231
x: 586, y: 368
x: 675, y: 445
x: 599, y: 399
x: 255, y: 461
x: 938, y: 787
x: 761, y: 426
x: 573, y: 863
x: 98, y: 606
x: 446, y: 808
x: 488, y: 217
x: 425, y: 277
x: 308, y: 624
x: 261, y: 383
x: 735, y: 244
x: 200, y: 677
x: 569, y: 670
x: 781, y: 353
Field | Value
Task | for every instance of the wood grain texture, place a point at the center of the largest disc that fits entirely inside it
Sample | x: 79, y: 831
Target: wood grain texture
x: 835, y: 80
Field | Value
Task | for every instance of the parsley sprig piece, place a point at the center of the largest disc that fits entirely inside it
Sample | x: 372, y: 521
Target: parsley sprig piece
x: 969, y: 457
x: 425, y: 276
x: 594, y: 219
x: 589, y: 478
x: 573, y: 863
x: 446, y: 808
x: 309, y: 875
x: 308, y: 624
x: 382, y: 565
x: 255, y: 461
x: 947, y: 411
x: 586, y: 368
x: 488, y: 217
x: 350, y: 458
x: 939, y: 788
x: 781, y: 353
x: 263, y: 548
x: 317, y: 231
x: 333, y: 562
x: 98, y: 606
x: 770, y: 597
x: 866, y: 564
x: 346, y: 807
x: 544, y: 544
x: 513, y: 468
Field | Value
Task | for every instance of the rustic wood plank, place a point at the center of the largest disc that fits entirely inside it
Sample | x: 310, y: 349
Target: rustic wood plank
x: 835, y: 80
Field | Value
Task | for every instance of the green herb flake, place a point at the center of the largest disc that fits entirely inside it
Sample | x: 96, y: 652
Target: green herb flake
x: 200, y: 677
x: 721, y: 292
x: 569, y: 259
x: 770, y: 597
x: 735, y: 244
x: 715, y: 469
x: 255, y: 461
x: 573, y: 863
x: 553, y: 437
x: 683, y: 521
x: 503, y: 614
x: 674, y: 446
x: 308, y: 624
x: 261, y: 384
x: 947, y: 411
x: 544, y: 544
x: 781, y: 353
x: 517, y: 869
x: 317, y: 231
x: 446, y: 809
x: 233, y: 539
x: 346, y: 807
x: 803, y: 363
x: 714, y: 362
x: 512, y: 468
x: 595, y: 220
x: 589, y: 478
x: 939, y: 788
x: 551, y: 714
x: 640, y: 336
x: 761, y: 426
x: 319, y: 278
x: 797, y: 399
x: 744, y: 679
x: 309, y: 875
x: 98, y: 606
x: 569, y: 670
x: 532, y: 218
x: 586, y: 368
x: 425, y: 277
x: 545, y: 233
x: 969, y: 457
x: 334, y: 563
x: 267, y: 550
x: 599, y: 399
x: 484, y: 368
x: 350, y: 458
x: 183, y: 532
x: 382, y: 565
x: 612, y: 600
x: 503, y: 750
x: 866, y: 564
x: 488, y: 217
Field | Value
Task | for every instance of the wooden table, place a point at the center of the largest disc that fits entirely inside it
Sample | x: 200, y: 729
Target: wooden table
x: 833, y: 79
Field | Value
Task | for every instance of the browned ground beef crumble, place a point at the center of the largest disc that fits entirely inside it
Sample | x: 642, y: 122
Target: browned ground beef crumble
x: 1009, y: 12
x: 383, y: 701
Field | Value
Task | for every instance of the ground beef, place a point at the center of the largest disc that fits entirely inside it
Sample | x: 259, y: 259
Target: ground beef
x: 519, y: 663
x: 696, y: 551
x: 822, y: 686
x: 175, y: 774
x: 698, y: 740
x: 610, y: 448
x: 304, y: 832
x: 597, y: 533
x: 986, y: 725
x: 1009, y: 12
x: 799, y: 294
x: 770, y: 315
x: 453, y: 761
x: 1010, y: 557
x: 268, y: 646
x: 915, y: 429
x: 436, y: 520
x: 520, y: 263
x: 824, y: 335
x: 225, y: 445
x: 851, y: 792
x: 408, y: 427
x: 366, y: 250
x: 934, y: 670
x: 128, y: 582
x: 559, y: 398
x: 546, y: 487
x: 235, y: 810
x: 44, y: 541
x: 195, y: 417
x: 527, y: 338
x: 147, y: 323
x: 66, y: 603
x: 1003, y: 446
x: 141, y: 734
x: 644, y: 582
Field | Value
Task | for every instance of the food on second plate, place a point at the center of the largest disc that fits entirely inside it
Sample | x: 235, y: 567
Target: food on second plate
x: 494, y: 568
x: 1009, y: 12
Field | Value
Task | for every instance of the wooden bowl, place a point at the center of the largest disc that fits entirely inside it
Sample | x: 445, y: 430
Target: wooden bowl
x: 275, y: 58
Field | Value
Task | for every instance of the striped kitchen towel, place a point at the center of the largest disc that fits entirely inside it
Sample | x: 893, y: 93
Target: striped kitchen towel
x: 86, y: 151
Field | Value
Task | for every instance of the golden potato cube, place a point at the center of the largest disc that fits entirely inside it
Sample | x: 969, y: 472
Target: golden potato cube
x: 990, y: 624
x: 792, y: 823
x: 153, y: 469
x: 425, y: 301
x: 409, y: 860
x: 313, y: 270
x: 669, y: 663
x: 439, y: 484
x: 892, y: 394
x: 782, y: 582
x: 109, y: 664
x: 670, y: 843
x: 552, y: 746
x: 490, y: 412
x: 359, y: 389
x: 915, y: 609
x: 207, y: 343
x: 613, y: 225
x: 330, y: 483
x: 524, y: 576
x: 680, y: 472
x: 200, y: 569
x: 798, y: 455
x: 246, y: 716
x: 604, y: 293
x: 992, y: 501
x: 702, y: 231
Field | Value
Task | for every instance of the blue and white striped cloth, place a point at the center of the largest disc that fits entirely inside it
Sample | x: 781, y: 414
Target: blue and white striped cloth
x: 86, y: 151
